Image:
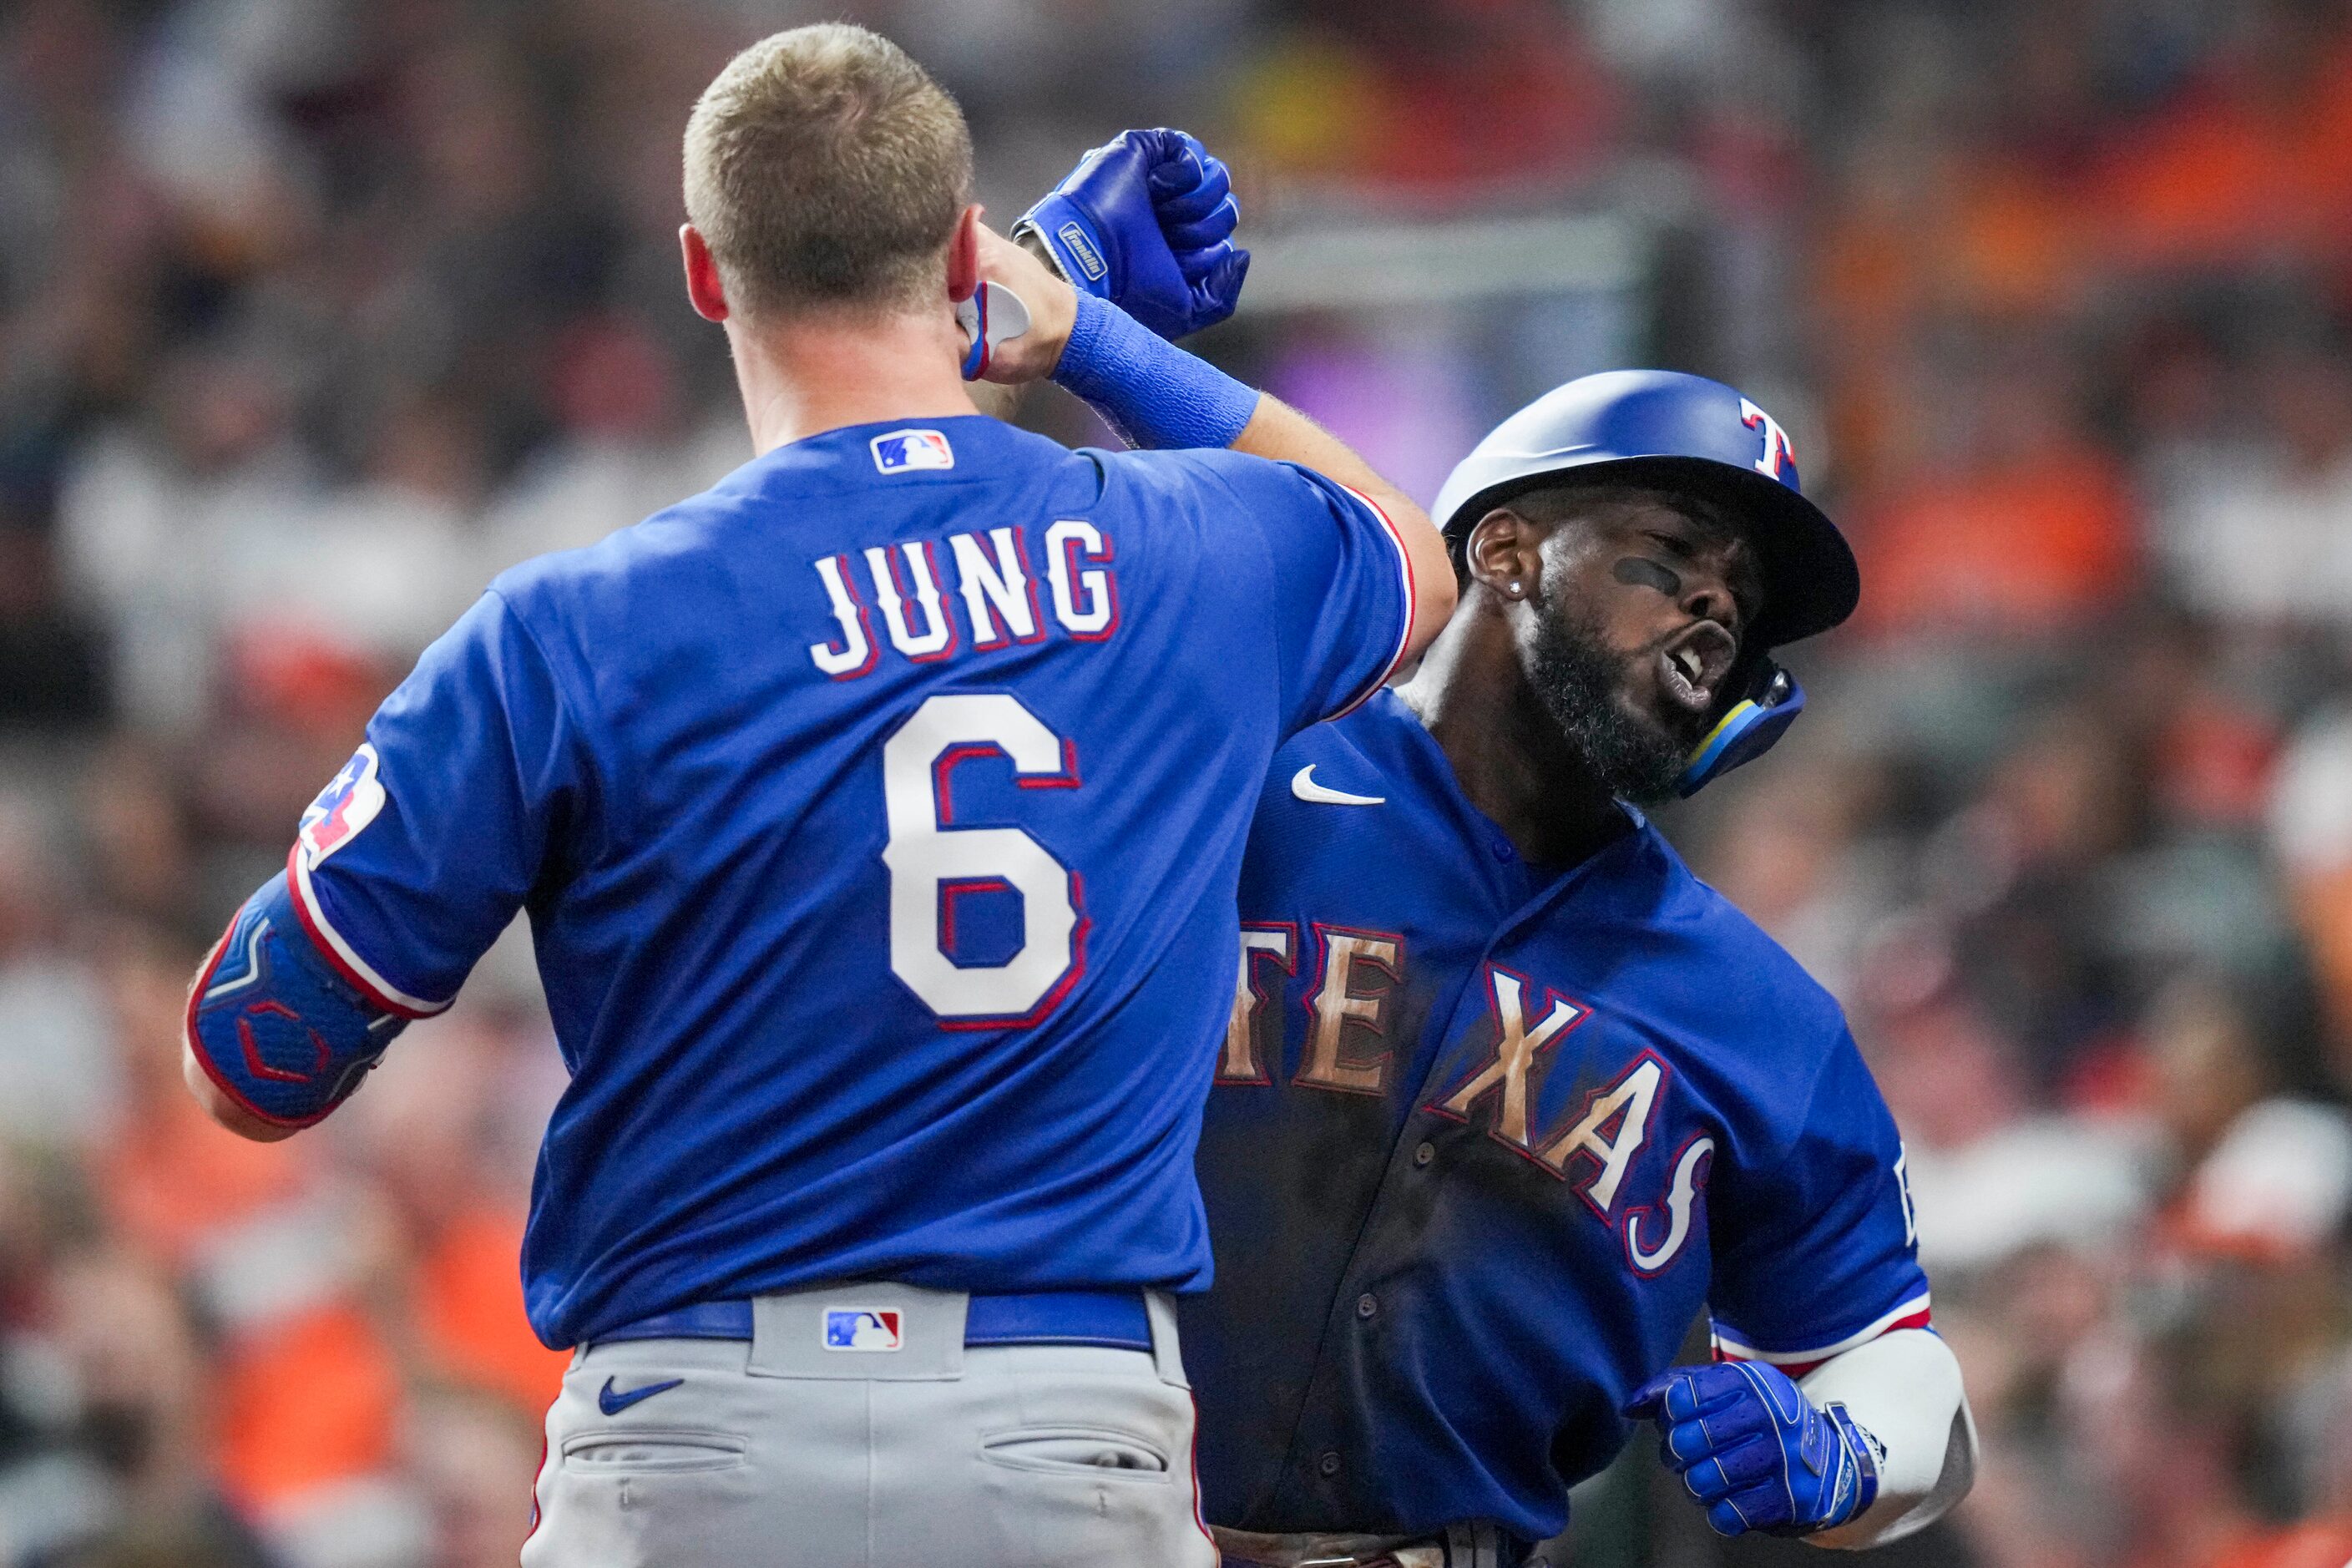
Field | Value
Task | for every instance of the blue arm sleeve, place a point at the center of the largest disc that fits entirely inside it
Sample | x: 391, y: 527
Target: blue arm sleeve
x: 452, y: 812
x: 273, y: 1025
x: 1341, y: 596
x: 1818, y: 1252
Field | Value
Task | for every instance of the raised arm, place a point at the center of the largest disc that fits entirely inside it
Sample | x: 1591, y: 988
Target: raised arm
x: 1156, y: 394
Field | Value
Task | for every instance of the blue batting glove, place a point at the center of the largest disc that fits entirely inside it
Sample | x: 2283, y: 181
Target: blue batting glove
x: 1755, y: 1452
x: 1146, y: 221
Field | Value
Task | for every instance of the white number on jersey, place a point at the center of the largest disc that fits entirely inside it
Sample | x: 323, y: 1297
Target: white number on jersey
x: 927, y: 853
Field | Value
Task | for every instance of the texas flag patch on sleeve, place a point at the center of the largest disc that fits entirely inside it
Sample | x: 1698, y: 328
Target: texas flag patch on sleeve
x: 903, y: 451
x: 349, y: 803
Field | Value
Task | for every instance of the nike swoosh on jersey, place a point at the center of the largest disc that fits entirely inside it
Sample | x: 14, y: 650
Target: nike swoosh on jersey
x: 613, y: 1403
x: 1303, y: 785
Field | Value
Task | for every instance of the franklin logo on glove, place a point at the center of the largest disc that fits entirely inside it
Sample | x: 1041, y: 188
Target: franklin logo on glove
x: 1080, y: 250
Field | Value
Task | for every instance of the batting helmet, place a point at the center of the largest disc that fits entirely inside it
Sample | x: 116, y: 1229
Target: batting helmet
x: 1694, y: 436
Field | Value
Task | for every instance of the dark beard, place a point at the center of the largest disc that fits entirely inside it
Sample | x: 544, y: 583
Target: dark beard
x: 1577, y: 679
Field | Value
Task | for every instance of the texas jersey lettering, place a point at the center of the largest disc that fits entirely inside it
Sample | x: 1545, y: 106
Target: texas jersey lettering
x: 814, y: 786
x: 1484, y: 1141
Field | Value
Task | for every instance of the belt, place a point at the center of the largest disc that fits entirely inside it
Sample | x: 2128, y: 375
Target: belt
x: 1473, y: 1543
x: 1114, y: 1317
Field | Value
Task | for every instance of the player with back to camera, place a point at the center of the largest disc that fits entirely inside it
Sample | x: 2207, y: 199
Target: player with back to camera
x: 878, y: 814
x: 1508, y: 1097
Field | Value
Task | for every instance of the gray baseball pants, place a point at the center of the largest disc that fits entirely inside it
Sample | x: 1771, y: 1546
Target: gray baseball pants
x: 779, y: 1452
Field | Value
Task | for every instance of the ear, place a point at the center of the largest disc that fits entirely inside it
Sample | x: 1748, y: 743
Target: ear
x: 963, y: 256
x: 1505, y: 551
x: 703, y: 285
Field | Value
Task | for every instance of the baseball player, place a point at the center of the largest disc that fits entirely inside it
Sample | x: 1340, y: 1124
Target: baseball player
x: 878, y: 814
x: 1508, y: 1096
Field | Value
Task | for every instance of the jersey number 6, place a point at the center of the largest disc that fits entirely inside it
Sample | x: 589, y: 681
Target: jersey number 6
x: 928, y: 859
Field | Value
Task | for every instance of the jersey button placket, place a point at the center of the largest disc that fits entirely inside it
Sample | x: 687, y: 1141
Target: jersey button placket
x: 1367, y: 1307
x: 1422, y: 1153
x: 1328, y: 1465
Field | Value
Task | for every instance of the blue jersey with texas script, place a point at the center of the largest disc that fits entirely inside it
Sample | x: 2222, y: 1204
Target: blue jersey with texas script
x: 1486, y: 1140
x: 877, y: 814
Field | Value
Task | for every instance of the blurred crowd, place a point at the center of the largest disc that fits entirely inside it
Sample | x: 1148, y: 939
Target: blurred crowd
x: 316, y: 313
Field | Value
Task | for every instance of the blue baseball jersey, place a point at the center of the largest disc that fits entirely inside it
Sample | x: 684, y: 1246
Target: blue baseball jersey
x: 877, y: 814
x: 1484, y: 1141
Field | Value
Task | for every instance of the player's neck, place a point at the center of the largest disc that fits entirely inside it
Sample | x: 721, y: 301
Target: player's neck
x: 1506, y: 748
x: 819, y: 372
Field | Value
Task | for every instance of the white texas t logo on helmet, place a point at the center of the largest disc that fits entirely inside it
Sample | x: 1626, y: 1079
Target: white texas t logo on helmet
x: 1775, y: 440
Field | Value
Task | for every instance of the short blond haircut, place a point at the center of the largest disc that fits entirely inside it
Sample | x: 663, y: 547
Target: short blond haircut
x: 826, y: 168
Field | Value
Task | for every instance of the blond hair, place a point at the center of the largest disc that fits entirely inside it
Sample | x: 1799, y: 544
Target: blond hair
x: 825, y: 167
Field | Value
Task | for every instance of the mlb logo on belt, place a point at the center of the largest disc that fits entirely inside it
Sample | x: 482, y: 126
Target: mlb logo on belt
x: 862, y: 1329
x: 900, y: 451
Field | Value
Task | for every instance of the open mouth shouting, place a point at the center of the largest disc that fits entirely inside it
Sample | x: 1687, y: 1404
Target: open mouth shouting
x: 1692, y: 665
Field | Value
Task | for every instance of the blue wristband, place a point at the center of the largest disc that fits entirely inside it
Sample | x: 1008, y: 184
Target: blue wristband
x: 1152, y: 393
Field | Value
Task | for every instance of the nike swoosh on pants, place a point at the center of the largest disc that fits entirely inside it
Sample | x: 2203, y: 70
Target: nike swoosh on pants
x: 613, y: 1403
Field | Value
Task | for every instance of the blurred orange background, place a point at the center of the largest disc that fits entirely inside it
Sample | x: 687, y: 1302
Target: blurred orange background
x: 316, y: 313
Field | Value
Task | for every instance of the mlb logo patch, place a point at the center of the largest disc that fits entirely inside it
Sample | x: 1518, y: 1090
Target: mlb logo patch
x: 902, y: 451
x: 862, y: 1329
x: 347, y: 804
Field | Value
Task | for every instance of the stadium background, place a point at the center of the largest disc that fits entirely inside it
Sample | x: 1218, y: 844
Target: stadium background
x: 314, y: 313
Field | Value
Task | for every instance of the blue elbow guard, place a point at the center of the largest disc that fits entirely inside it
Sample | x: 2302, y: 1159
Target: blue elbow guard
x: 275, y: 1029
x: 1152, y: 393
